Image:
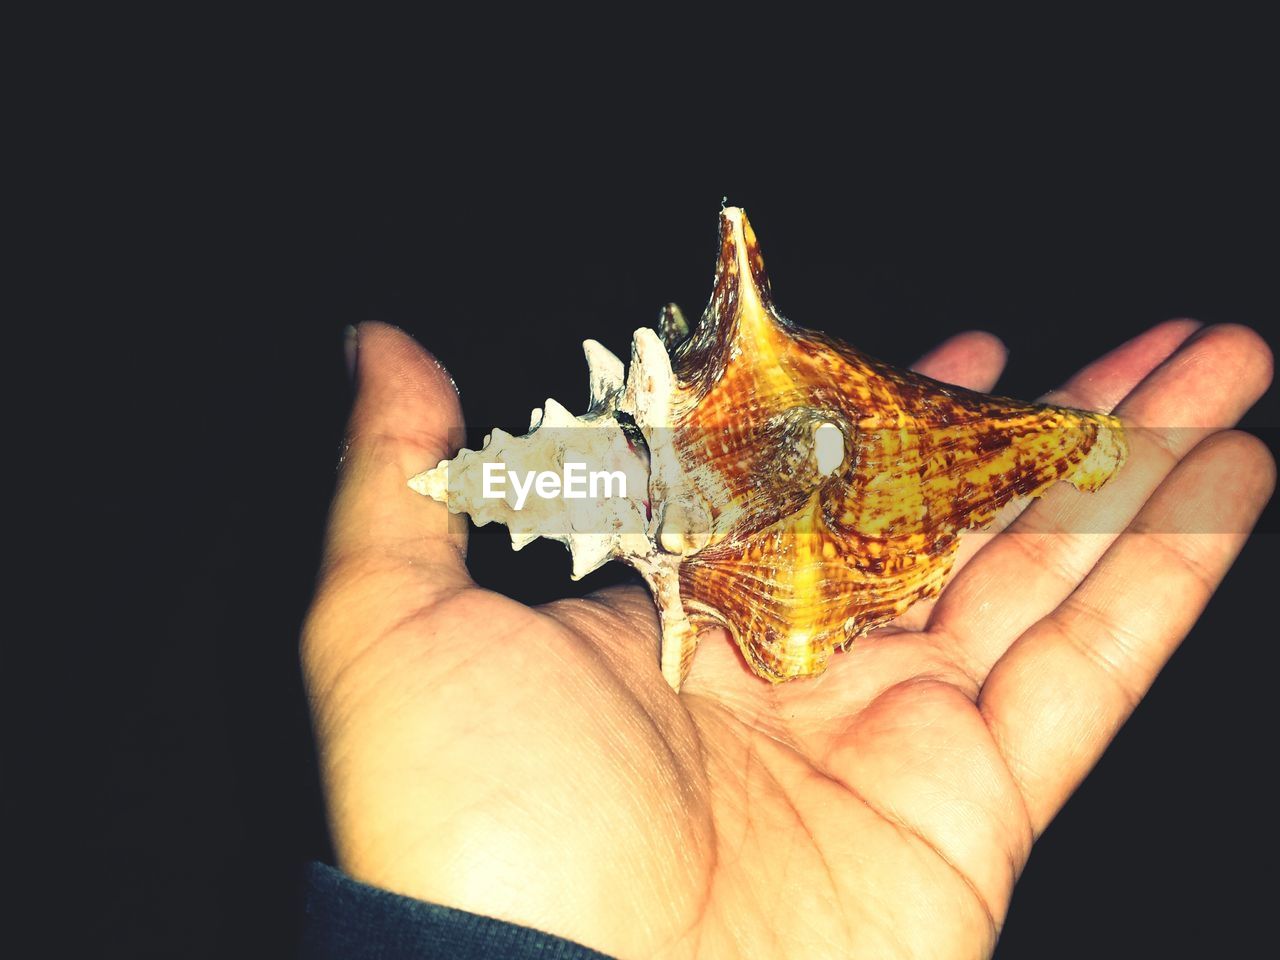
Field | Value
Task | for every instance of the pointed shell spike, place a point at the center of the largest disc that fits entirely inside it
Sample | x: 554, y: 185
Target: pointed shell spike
x: 651, y: 382
x: 521, y: 540
x: 590, y: 551
x: 673, y: 328
x: 432, y: 483
x: 555, y: 414
x: 606, y: 371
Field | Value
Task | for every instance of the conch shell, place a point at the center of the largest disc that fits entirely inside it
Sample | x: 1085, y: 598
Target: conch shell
x: 777, y: 482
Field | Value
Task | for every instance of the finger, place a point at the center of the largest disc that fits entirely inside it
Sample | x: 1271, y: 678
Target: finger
x: 406, y: 418
x: 1099, y: 386
x: 1205, y: 386
x: 1059, y: 695
x: 1104, y: 383
x: 973, y: 360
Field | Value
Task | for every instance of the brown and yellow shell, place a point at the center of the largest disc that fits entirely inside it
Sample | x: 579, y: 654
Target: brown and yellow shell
x: 798, y: 492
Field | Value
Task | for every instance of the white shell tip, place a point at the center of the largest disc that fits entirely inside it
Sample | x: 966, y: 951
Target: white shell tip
x: 556, y: 415
x: 606, y: 371
x: 432, y: 483
x: 521, y: 540
x: 589, y: 551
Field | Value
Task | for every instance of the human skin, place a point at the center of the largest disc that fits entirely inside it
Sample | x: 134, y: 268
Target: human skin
x: 531, y: 764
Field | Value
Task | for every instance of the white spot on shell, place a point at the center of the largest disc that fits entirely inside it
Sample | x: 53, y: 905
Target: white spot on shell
x: 828, y: 448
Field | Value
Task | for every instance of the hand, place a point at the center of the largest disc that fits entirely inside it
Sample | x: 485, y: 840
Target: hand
x: 531, y: 763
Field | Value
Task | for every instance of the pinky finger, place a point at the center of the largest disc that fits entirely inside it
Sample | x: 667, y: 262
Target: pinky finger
x: 1058, y: 696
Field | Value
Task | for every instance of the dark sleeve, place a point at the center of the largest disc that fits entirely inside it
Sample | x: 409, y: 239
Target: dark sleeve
x: 354, y: 921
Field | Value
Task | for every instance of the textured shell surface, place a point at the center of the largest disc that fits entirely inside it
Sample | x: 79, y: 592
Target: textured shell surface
x: 778, y: 482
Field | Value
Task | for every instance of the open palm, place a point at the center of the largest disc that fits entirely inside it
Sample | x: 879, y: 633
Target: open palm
x: 532, y: 764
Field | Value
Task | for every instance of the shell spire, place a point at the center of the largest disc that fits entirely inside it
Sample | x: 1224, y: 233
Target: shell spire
x: 497, y: 482
x: 784, y: 485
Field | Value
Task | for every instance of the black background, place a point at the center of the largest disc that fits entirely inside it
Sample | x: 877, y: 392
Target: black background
x: 210, y: 230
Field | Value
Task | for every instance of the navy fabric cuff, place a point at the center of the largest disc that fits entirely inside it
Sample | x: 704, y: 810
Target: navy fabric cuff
x: 352, y: 920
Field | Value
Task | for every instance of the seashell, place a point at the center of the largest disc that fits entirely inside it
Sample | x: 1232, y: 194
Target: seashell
x: 777, y: 481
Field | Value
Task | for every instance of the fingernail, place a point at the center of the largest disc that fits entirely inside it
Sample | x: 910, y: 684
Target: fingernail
x: 351, y: 348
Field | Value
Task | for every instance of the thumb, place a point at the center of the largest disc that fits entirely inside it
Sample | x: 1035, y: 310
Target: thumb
x: 406, y: 418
